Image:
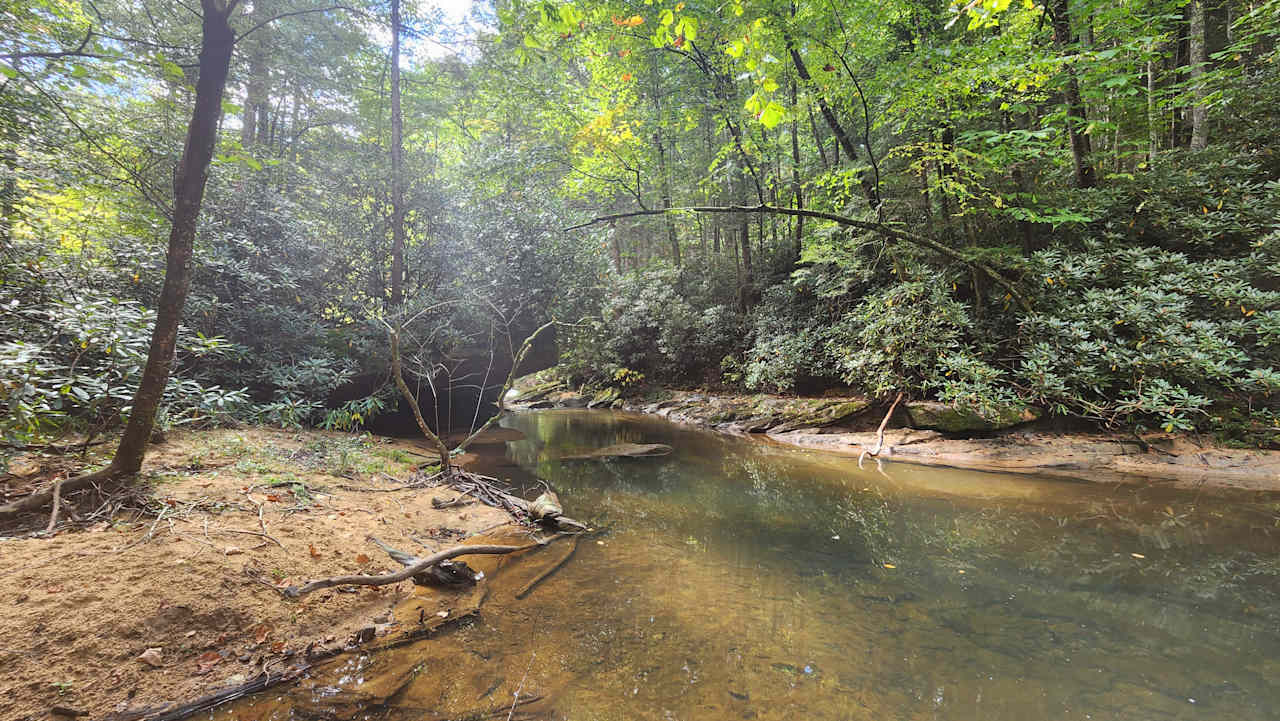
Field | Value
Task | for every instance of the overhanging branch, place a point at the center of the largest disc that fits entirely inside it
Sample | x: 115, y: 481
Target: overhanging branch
x: 869, y: 226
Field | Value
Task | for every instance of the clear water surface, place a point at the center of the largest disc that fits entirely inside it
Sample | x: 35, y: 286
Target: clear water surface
x: 737, y: 580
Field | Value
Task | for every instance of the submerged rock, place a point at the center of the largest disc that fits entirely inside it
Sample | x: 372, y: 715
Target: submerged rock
x: 623, y: 450
x: 947, y: 418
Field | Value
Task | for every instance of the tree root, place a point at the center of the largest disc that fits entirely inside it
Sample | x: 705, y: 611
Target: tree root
x: 39, y: 500
x: 875, y: 452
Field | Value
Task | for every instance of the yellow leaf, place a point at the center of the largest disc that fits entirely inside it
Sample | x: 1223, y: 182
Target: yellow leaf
x: 889, y: 565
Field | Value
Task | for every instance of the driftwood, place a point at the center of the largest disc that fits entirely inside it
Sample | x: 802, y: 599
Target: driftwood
x: 486, y: 490
x: 622, y: 450
x: 875, y: 452
x: 409, y: 572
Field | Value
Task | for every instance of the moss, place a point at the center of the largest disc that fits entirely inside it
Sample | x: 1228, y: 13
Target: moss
x: 950, y: 419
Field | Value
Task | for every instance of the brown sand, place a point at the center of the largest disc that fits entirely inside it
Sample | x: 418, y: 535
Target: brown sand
x: 82, y: 606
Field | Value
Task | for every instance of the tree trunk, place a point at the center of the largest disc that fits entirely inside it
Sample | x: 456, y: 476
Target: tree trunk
x: 842, y: 137
x: 1154, y: 124
x: 397, y: 166
x: 817, y: 140
x: 256, y: 86
x: 1077, y: 118
x: 1198, y: 61
x: 188, y: 194
x: 664, y: 186
x: 797, y: 189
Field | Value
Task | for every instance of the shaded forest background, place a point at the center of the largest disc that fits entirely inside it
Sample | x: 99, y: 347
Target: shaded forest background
x: 1073, y: 205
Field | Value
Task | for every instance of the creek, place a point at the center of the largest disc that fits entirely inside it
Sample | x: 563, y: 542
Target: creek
x: 738, y: 580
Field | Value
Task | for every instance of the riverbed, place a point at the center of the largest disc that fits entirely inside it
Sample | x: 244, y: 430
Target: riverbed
x: 735, y: 580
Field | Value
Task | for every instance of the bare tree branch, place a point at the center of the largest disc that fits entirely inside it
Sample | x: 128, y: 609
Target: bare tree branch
x: 873, y: 227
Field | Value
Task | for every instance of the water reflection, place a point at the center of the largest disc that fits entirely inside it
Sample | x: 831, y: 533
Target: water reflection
x: 745, y: 581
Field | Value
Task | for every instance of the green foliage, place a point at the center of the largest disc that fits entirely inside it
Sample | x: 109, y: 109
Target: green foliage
x: 71, y: 361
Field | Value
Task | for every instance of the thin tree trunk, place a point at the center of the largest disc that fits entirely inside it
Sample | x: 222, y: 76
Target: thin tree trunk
x: 1198, y: 61
x: 842, y: 137
x: 817, y: 140
x: 397, y: 165
x: 664, y: 186
x: 1077, y: 117
x: 188, y: 194
x: 1154, y: 124
x: 797, y: 188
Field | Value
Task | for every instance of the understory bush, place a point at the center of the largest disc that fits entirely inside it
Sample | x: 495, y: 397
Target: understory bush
x: 71, y: 361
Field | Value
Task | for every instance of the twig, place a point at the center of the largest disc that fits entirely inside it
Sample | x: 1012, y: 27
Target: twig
x: 520, y: 687
x: 573, y: 546
x: 156, y: 522
x: 57, y: 498
x: 250, y: 533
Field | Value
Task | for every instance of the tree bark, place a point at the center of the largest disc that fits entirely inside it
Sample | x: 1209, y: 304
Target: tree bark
x: 397, y: 166
x: 797, y: 188
x: 1198, y: 60
x: 664, y: 186
x: 1077, y: 118
x: 188, y: 194
x: 842, y: 137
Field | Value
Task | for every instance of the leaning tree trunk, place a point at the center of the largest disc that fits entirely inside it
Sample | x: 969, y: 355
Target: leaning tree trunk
x: 188, y: 193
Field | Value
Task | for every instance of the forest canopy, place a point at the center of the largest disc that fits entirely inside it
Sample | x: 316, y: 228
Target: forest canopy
x: 1069, y: 204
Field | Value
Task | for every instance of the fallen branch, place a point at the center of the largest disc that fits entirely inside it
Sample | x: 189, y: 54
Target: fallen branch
x: 573, y: 546
x: 874, y: 227
x: 406, y: 573
x: 875, y: 452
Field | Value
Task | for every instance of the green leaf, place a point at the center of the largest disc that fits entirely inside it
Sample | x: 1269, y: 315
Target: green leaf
x: 772, y: 114
x: 667, y: 17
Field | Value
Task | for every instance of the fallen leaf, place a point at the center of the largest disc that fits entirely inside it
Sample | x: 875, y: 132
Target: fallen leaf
x: 151, y: 657
x: 362, y: 559
x: 207, y: 660
x: 277, y: 647
x: 889, y: 565
x: 314, y: 553
x: 261, y: 633
x: 273, y: 498
x: 232, y: 550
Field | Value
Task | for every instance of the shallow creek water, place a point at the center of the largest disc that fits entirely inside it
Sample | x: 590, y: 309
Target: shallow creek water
x: 738, y: 580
